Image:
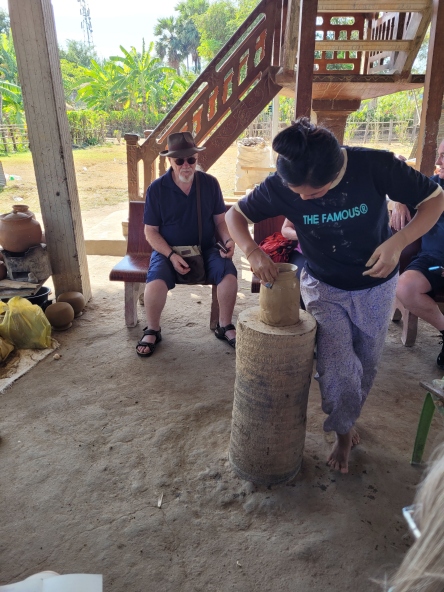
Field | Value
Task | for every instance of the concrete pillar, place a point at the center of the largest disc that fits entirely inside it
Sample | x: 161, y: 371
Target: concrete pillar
x: 35, y: 42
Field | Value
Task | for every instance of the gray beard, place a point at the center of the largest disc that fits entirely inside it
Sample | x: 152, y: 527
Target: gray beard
x: 186, y: 179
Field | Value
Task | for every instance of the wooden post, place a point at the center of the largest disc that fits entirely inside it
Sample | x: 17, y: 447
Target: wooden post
x: 149, y: 168
x: 132, y: 159
x: 333, y: 114
x: 291, y: 36
x: 304, y: 72
x: 433, y: 93
x: 35, y: 42
x: 275, y: 122
x: 390, y: 131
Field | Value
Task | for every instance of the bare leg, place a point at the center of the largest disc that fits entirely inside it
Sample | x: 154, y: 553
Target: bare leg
x: 155, y: 297
x: 338, y: 458
x: 412, y: 292
x: 226, y: 296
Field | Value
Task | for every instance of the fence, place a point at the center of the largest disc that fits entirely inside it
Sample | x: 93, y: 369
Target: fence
x: 384, y: 132
x: 356, y: 132
x: 13, y: 138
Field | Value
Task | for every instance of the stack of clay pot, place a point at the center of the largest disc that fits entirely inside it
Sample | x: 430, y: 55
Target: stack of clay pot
x: 19, y: 230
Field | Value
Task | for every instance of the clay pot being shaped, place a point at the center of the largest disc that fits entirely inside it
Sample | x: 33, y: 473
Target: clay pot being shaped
x: 19, y: 231
x: 280, y: 303
x: 60, y: 315
x: 75, y: 299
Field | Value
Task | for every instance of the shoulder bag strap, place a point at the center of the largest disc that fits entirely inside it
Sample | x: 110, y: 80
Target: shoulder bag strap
x: 199, y: 208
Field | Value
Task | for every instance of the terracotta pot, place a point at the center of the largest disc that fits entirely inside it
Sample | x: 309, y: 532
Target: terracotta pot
x: 60, y: 315
x: 19, y: 231
x: 23, y: 209
x: 75, y: 299
x: 280, y: 303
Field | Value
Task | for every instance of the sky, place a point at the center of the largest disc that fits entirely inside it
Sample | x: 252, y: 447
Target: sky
x: 114, y: 22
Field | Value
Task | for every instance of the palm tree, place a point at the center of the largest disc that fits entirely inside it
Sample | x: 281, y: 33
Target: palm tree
x: 169, y: 46
x: 188, y: 32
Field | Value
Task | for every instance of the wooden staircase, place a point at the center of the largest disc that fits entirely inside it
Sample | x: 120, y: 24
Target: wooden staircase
x: 367, y: 53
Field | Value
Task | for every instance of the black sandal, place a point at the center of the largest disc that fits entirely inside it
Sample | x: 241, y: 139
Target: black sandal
x: 152, y: 346
x: 221, y: 331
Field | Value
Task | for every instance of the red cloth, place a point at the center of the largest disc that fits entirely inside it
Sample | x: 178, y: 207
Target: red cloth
x: 277, y: 247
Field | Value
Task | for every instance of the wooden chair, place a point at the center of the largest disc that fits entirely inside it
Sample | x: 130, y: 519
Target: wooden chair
x: 132, y: 269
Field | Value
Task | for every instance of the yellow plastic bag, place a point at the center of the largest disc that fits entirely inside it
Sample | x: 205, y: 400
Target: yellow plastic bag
x: 25, y: 325
x: 5, y: 349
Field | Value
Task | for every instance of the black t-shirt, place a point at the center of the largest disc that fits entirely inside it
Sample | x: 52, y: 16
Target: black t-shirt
x: 339, y: 232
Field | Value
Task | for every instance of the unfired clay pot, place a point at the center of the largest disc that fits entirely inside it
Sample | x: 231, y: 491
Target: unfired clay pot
x: 19, y: 231
x: 75, y: 299
x: 280, y: 304
x: 3, y: 270
x: 60, y: 315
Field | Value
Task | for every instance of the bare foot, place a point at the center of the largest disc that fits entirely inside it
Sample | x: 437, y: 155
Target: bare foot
x: 356, y: 438
x: 338, y: 458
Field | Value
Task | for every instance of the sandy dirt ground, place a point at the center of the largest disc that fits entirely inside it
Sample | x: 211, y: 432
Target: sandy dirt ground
x: 90, y: 442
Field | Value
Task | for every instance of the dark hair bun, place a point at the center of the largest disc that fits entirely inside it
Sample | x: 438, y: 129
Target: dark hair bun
x: 292, y: 142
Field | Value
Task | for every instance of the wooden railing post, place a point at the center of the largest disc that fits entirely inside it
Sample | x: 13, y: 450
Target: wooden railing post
x: 132, y: 158
x: 149, y: 168
x: 304, y: 72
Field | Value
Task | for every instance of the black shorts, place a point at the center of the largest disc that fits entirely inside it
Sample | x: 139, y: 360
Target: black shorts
x: 422, y: 264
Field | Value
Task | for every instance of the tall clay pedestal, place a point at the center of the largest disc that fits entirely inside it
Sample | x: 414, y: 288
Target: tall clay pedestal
x: 273, y: 372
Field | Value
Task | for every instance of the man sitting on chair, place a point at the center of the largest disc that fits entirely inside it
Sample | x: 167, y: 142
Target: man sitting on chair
x: 417, y: 285
x: 171, y: 219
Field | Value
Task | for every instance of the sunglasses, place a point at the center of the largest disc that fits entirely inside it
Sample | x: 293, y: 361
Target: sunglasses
x: 190, y: 160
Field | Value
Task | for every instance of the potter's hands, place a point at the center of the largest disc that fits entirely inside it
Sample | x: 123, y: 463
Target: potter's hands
x: 400, y: 216
x: 385, y: 257
x: 179, y: 264
x: 262, y: 266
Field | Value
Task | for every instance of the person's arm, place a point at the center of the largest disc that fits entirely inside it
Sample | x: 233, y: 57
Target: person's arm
x: 222, y: 231
x: 261, y: 264
x: 386, y: 256
x: 288, y: 230
x: 160, y: 245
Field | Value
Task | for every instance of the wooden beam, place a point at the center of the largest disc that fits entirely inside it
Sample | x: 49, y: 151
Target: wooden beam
x: 35, y: 42
x: 350, y: 6
x: 416, y: 31
x: 374, y: 45
x: 291, y: 35
x: 433, y: 93
x: 304, y: 72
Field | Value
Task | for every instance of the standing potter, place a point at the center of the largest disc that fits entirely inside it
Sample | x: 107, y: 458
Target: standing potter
x: 336, y: 199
